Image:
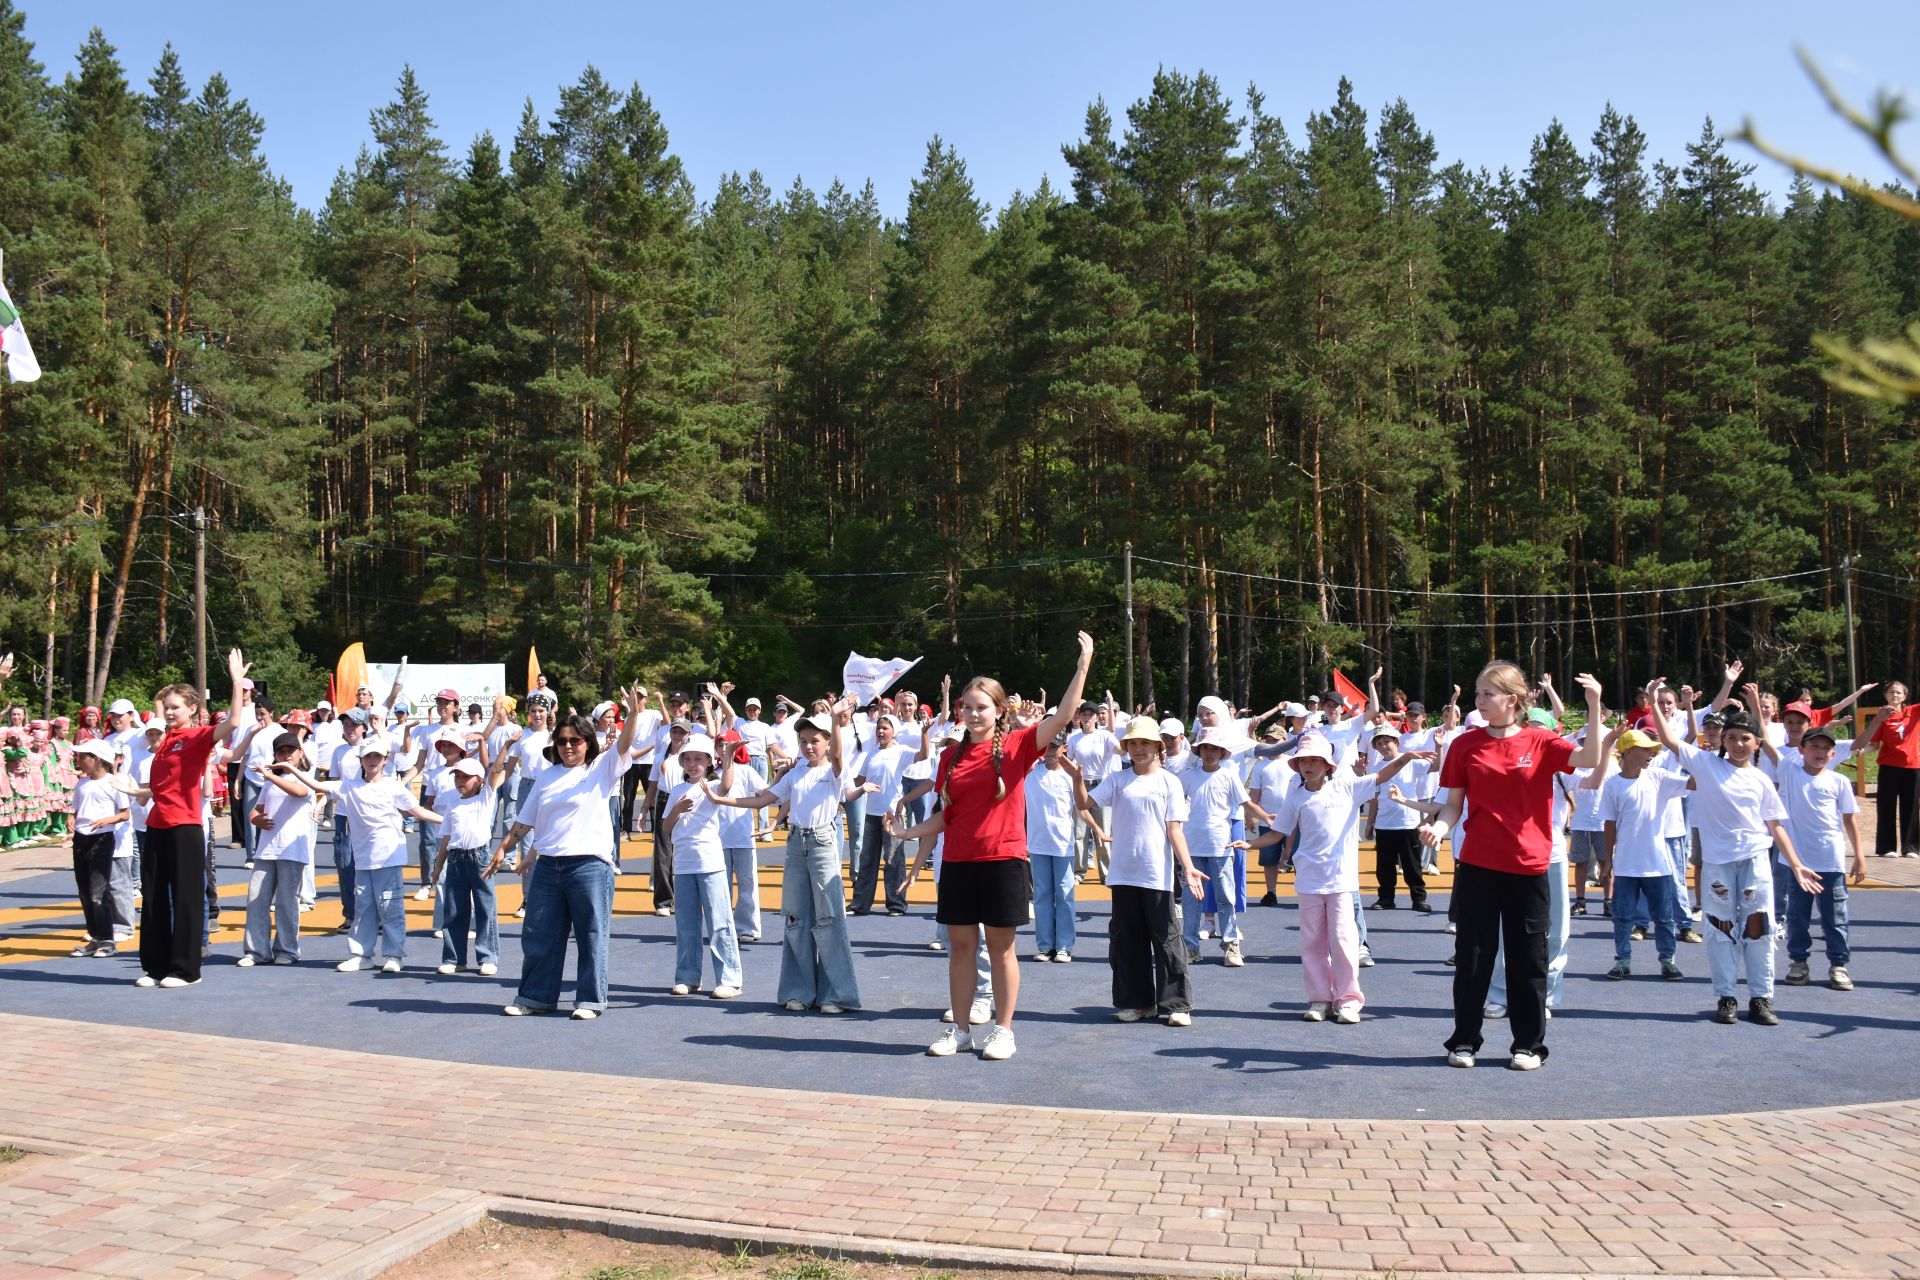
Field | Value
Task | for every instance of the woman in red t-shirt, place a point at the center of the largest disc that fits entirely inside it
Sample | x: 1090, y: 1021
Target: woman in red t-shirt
x: 1895, y: 732
x: 173, y: 862
x: 1502, y: 776
x: 985, y: 879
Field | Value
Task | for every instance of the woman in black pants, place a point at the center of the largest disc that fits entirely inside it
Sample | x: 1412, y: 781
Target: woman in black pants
x: 1502, y: 776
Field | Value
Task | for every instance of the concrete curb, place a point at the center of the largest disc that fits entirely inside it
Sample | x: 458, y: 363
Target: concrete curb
x: 376, y: 1258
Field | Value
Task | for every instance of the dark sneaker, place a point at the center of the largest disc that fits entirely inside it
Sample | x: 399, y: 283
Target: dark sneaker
x: 1690, y: 934
x: 1727, y: 1012
x: 1423, y: 908
x: 1380, y: 904
x: 1269, y: 900
x: 1796, y: 974
x: 1760, y: 1011
x: 1580, y: 907
x: 1639, y: 933
x: 1620, y: 970
x: 1671, y: 971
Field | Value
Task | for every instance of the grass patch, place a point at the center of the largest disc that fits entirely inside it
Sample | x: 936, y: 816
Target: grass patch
x: 10, y: 1154
x: 625, y: 1271
x: 806, y: 1266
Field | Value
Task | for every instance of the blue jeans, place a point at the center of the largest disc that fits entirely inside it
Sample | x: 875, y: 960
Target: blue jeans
x: 1737, y: 898
x: 1643, y: 898
x: 701, y: 906
x: 1782, y: 877
x: 273, y: 896
x: 856, y: 813
x: 1216, y: 869
x: 1053, y: 920
x: 816, y: 958
x: 1833, y: 918
x: 1680, y: 850
x: 1235, y: 880
x: 613, y: 821
x: 469, y: 898
x: 343, y: 868
x: 743, y: 870
x: 248, y: 797
x: 1559, y: 924
x: 566, y: 896
x: 379, y: 912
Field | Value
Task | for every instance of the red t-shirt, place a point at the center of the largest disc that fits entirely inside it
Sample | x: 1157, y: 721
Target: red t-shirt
x: 1899, y: 738
x: 1509, y: 784
x: 979, y: 827
x: 179, y: 765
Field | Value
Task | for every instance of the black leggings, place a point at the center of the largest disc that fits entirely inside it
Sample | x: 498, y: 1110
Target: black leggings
x: 173, y: 906
x: 1897, y: 792
x: 1492, y: 905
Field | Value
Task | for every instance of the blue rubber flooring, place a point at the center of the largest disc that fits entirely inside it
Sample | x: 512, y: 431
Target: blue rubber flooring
x: 1641, y: 1047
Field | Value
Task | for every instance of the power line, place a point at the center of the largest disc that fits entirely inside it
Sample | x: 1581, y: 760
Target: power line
x: 1486, y: 595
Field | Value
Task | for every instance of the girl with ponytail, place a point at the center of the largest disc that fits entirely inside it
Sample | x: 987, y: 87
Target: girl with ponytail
x: 985, y: 879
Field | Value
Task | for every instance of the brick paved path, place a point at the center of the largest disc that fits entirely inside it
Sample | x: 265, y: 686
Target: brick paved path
x: 190, y: 1154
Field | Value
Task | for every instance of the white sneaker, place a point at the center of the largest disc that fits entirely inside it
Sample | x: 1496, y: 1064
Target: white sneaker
x: 283, y: 959
x: 724, y: 992
x: 682, y: 989
x: 998, y: 1045
x: 831, y: 1008
x: 663, y: 911
x: 1495, y: 1011
x: 1523, y: 1061
x: 584, y: 1015
x: 936, y: 945
x: 145, y: 980
x: 1460, y: 1058
x: 1454, y: 928
x: 438, y: 932
x: 1366, y: 958
x: 488, y: 969
x: 1317, y: 1011
x: 244, y: 962
x: 1043, y: 957
x: 951, y: 1041
x: 980, y: 1013
x: 206, y: 950
x: 1179, y: 1018
x: 515, y: 1011
x: 391, y: 966
x: 520, y: 913
x: 1063, y: 957
x: 1131, y: 1015
x: 446, y: 970
x: 1347, y: 1014
x: 1231, y: 957
x: 171, y: 981
x: 352, y: 964
x: 800, y: 1006
x: 422, y: 894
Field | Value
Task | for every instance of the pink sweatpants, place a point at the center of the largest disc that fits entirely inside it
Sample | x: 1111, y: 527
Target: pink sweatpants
x: 1330, y: 948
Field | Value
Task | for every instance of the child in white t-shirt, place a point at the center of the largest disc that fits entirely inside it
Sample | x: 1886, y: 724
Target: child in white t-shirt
x: 1216, y: 796
x: 694, y: 824
x: 99, y: 809
x: 738, y: 836
x: 1050, y: 849
x: 1632, y: 808
x: 282, y: 819
x: 1820, y: 813
x: 1148, y: 837
x: 1323, y: 814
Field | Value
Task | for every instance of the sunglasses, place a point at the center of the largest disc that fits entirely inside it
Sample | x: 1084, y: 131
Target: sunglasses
x: 573, y: 740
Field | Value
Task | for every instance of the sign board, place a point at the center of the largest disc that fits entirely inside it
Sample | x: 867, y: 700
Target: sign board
x: 479, y: 682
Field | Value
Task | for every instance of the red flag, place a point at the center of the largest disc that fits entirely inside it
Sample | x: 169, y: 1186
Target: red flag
x: 1350, y: 693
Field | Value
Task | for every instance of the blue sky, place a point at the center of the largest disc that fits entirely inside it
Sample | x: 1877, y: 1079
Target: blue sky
x: 855, y: 91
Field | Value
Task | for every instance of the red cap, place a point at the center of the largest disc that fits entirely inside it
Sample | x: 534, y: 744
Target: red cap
x: 731, y: 735
x: 300, y: 716
x: 1798, y: 708
x: 447, y: 695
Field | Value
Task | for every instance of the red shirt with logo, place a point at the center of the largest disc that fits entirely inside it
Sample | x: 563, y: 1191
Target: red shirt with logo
x: 1509, y: 784
x: 1899, y: 738
x: 981, y: 828
x: 179, y: 767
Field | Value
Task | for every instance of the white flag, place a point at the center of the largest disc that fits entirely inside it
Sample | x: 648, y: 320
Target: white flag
x: 868, y: 678
x: 18, y: 352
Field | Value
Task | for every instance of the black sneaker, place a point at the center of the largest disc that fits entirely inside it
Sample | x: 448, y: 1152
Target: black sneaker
x: 1423, y: 908
x: 1580, y: 907
x: 1452, y: 960
x: 1760, y: 1011
x: 1269, y: 900
x: 1380, y: 904
x: 1727, y: 1012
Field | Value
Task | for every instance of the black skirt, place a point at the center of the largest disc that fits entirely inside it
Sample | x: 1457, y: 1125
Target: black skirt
x: 994, y: 893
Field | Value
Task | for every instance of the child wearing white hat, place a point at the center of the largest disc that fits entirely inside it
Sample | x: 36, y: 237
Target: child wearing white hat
x: 695, y: 825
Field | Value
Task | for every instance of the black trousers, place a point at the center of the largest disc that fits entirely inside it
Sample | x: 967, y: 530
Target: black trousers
x: 92, y: 876
x: 1490, y: 906
x: 1897, y: 791
x: 1146, y: 953
x: 631, y: 783
x: 173, y: 905
x: 1399, y: 851
x: 661, y: 881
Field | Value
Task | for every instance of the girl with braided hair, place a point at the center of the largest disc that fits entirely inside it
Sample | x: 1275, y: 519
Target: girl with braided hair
x: 985, y: 878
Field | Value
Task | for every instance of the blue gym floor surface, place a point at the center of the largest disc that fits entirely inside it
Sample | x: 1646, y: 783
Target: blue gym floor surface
x: 1642, y: 1047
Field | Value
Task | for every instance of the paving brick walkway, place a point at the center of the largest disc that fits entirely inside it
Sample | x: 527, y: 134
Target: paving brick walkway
x: 179, y: 1154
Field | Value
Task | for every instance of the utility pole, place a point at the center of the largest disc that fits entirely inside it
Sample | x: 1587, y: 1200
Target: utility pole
x: 1846, y: 579
x: 1126, y: 561
x: 200, y: 600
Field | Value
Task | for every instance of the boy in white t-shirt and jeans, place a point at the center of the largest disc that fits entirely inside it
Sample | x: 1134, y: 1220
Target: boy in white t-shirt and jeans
x: 1820, y: 815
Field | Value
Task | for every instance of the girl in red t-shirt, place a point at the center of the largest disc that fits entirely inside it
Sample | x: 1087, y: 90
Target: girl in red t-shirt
x: 1895, y: 732
x: 1502, y: 776
x: 985, y: 879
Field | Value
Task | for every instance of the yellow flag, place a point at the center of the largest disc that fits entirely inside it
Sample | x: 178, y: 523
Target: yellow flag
x: 533, y: 669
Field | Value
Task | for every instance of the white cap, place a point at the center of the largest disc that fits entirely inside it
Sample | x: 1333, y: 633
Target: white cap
x: 600, y: 710
x: 373, y: 747
x: 753, y: 702
x: 1293, y: 710
x: 1171, y: 728
x: 323, y: 705
x: 469, y: 766
x: 120, y: 707
x: 818, y: 720
x: 697, y: 742
x: 99, y: 748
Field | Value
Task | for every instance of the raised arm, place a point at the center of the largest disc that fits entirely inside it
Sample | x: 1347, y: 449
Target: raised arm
x: 1661, y: 729
x: 1851, y: 698
x: 1051, y: 727
x: 393, y: 694
x: 1750, y: 693
x: 636, y: 700
x: 1732, y: 673
x: 1599, y: 773
x: 237, y: 668
x: 1587, y: 754
x: 1553, y: 697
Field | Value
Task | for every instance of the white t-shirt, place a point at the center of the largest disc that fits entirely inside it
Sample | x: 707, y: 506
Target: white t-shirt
x: 1586, y: 801
x: 812, y: 795
x: 374, y: 812
x: 469, y: 819
x: 326, y: 736
x: 698, y: 843
x: 755, y: 734
x: 1731, y: 807
x: 788, y: 737
x: 883, y: 766
x: 567, y: 808
x: 142, y: 774
x: 1179, y: 762
x: 1143, y: 805
x: 95, y: 802
x: 529, y: 753
x: 1049, y: 796
x: 1273, y: 780
x: 1096, y: 751
x: 291, y: 839
x: 260, y: 753
x: 131, y: 743
x: 1637, y: 808
x: 1792, y: 758
x: 1213, y: 800
x: 1390, y: 816
x: 1817, y: 805
x: 736, y: 825
x: 647, y: 728
x: 1326, y: 858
